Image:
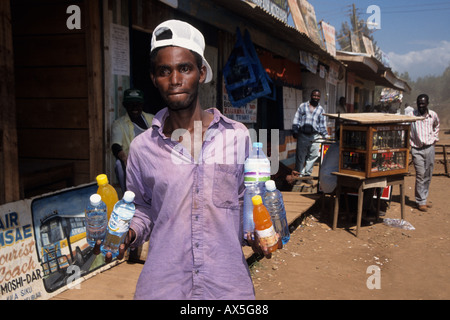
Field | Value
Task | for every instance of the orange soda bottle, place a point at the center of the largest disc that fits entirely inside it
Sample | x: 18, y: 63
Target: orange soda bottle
x: 263, y: 225
x: 107, y: 192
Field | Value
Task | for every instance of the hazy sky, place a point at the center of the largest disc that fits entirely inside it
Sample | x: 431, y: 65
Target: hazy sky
x: 415, y: 35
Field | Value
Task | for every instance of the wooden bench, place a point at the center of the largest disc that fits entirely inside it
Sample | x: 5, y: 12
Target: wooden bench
x: 442, y: 156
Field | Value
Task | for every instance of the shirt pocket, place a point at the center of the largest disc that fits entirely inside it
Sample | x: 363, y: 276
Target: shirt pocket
x: 225, y: 186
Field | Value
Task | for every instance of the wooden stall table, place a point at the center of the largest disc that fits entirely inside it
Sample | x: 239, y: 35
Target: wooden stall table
x: 362, y: 183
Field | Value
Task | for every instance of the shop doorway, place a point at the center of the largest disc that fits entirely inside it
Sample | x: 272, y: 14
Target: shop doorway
x: 140, y: 71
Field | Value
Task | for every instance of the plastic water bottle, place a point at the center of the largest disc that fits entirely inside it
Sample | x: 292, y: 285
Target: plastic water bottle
x: 118, y: 225
x: 107, y: 192
x: 263, y: 225
x: 256, y: 173
x: 96, y: 219
x: 273, y: 200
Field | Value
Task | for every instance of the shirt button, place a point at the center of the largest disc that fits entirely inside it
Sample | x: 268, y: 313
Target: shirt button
x: 197, y: 245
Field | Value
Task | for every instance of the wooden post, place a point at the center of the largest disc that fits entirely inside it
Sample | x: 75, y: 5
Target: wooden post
x: 95, y: 91
x: 444, y: 149
x: 9, y: 169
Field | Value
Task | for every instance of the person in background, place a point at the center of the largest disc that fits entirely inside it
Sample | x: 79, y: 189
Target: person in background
x: 342, y: 108
x: 309, y: 125
x: 424, y: 135
x: 187, y: 172
x: 408, y: 108
x: 126, y: 128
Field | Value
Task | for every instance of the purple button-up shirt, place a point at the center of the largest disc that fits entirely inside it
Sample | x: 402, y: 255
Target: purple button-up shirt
x: 191, y: 211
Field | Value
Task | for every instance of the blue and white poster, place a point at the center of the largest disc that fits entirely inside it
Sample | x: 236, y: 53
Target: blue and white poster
x: 43, y: 248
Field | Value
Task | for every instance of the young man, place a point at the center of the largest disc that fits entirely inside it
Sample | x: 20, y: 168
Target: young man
x: 424, y: 135
x: 187, y: 174
x: 308, y: 125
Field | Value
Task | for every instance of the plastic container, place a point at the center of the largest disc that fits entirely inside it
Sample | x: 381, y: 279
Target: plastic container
x: 273, y: 200
x: 107, y: 192
x: 119, y: 223
x: 96, y: 219
x: 256, y: 173
x: 263, y: 225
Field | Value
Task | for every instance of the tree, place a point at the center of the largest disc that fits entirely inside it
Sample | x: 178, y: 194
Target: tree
x: 358, y: 26
x: 445, y: 92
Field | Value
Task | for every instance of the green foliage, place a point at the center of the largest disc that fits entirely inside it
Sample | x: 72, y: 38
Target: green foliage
x: 359, y: 27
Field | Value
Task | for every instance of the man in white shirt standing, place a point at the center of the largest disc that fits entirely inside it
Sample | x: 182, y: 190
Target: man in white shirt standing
x: 424, y: 135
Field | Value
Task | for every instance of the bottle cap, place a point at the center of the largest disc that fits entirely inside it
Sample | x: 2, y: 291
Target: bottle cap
x: 102, y: 179
x: 95, y: 199
x: 270, y: 185
x: 257, y: 200
x: 128, y: 196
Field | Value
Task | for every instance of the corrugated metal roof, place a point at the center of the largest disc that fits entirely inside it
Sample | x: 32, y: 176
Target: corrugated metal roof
x: 253, y: 5
x: 276, y: 27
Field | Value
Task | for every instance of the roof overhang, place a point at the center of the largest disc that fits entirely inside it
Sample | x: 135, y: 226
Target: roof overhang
x: 369, y: 68
x: 264, y: 20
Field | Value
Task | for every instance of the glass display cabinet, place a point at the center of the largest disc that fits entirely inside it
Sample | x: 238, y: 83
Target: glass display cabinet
x: 373, y: 144
x: 374, y: 150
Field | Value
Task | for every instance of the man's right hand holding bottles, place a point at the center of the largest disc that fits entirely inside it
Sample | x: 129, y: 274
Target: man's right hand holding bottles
x: 129, y: 238
x: 261, y: 249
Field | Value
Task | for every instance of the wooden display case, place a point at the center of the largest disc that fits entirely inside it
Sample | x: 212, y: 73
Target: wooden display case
x: 374, y: 150
x: 373, y: 144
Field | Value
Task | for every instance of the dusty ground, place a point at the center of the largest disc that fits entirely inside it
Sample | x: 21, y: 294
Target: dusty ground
x: 319, y: 263
x: 323, y: 264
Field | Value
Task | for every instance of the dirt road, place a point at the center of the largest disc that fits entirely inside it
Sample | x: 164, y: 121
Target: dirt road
x: 320, y: 263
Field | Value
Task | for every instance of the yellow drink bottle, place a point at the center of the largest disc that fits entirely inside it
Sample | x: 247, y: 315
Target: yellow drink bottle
x: 107, y: 192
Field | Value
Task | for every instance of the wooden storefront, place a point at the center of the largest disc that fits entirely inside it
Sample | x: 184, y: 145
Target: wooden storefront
x: 60, y: 92
x: 53, y: 98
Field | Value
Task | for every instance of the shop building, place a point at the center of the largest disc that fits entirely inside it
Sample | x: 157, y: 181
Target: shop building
x: 68, y: 63
x: 364, y: 73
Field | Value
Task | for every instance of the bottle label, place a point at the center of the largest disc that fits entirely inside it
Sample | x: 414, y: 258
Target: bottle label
x: 257, y: 170
x: 267, y: 237
x: 118, y: 226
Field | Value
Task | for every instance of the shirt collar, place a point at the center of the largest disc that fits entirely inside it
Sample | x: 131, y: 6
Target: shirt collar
x: 417, y: 113
x: 161, y: 116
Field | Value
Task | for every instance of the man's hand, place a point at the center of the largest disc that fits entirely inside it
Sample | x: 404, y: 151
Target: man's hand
x: 129, y: 238
x: 292, y: 177
x: 261, y: 250
x: 123, y: 157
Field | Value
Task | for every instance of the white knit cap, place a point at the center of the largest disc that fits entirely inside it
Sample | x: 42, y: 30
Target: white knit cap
x: 185, y: 36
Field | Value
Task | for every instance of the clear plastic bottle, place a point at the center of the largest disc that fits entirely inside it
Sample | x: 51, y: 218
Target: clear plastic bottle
x: 263, y: 225
x: 107, y: 192
x: 273, y: 200
x: 118, y: 225
x: 256, y: 173
x: 95, y: 219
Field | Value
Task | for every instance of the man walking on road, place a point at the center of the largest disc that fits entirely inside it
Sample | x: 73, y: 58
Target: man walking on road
x: 424, y: 135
